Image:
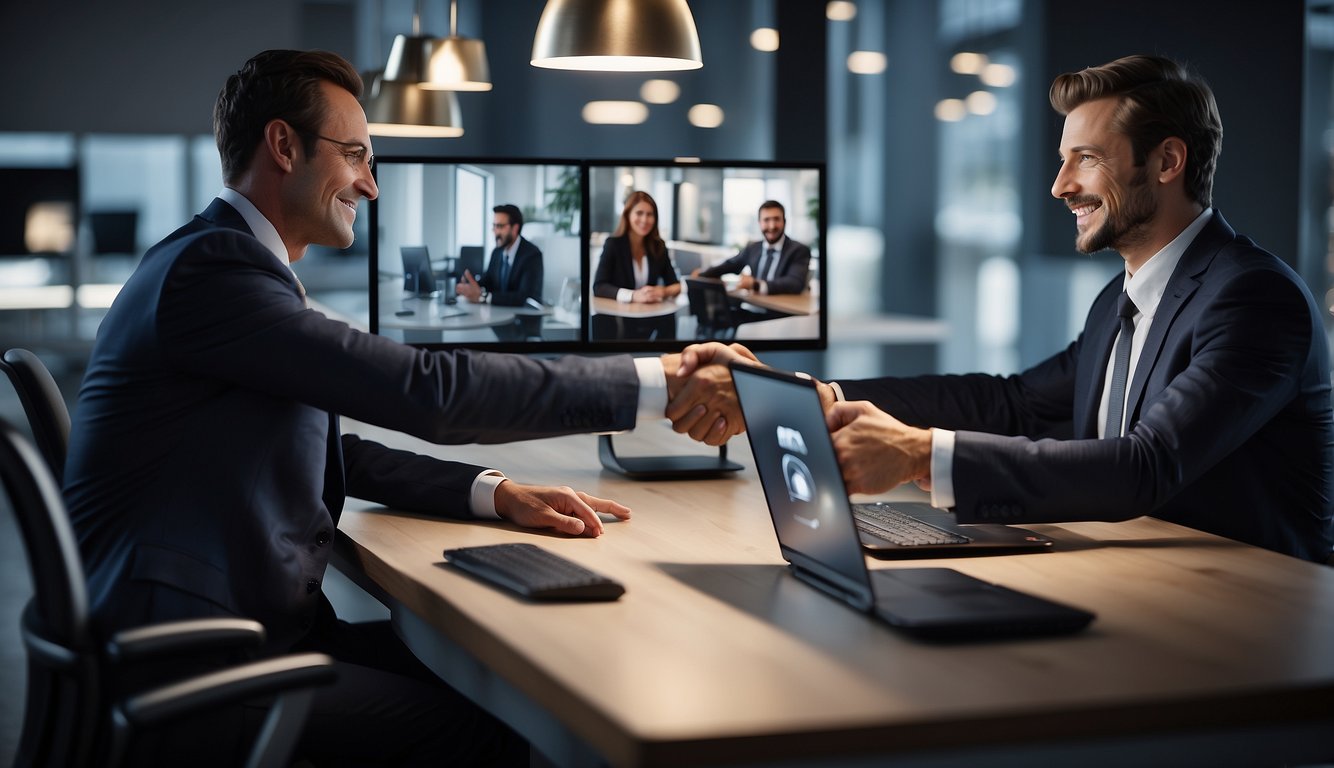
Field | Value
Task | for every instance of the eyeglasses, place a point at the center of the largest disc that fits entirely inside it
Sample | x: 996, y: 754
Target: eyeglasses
x: 359, y: 153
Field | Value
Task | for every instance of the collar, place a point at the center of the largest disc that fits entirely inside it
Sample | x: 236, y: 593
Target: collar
x: 1146, y: 287
x: 778, y: 246
x: 262, y: 228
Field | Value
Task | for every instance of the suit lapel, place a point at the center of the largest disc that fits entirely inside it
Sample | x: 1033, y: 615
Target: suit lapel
x: 1099, y: 332
x: 1184, y: 282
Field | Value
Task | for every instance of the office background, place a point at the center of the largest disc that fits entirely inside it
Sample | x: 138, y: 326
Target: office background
x: 938, y: 195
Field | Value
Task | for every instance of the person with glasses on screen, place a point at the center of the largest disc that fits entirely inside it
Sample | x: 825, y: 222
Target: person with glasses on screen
x: 206, y: 469
x: 777, y: 264
x: 1199, y: 390
x: 514, y: 273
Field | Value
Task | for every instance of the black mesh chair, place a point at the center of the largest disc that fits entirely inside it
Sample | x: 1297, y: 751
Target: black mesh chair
x: 75, y: 713
x: 712, y: 308
x: 43, y: 404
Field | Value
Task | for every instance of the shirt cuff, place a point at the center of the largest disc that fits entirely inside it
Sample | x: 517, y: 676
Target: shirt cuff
x: 625, y: 295
x: 652, y: 389
x: 942, y: 468
x: 483, y: 497
x: 762, y: 287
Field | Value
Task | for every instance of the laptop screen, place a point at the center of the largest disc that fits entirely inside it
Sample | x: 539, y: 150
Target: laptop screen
x: 799, y: 472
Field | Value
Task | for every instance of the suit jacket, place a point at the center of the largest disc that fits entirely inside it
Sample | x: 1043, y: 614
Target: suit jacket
x: 793, y: 271
x: 525, y: 277
x: 206, y: 472
x: 1229, y: 424
x: 616, y: 269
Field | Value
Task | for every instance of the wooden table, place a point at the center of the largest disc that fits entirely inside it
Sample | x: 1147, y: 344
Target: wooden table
x: 1205, y: 651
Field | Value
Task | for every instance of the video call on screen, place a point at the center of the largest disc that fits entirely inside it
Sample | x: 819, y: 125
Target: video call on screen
x: 432, y: 230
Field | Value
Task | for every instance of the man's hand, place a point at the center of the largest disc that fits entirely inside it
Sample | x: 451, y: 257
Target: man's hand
x: 469, y: 288
x: 704, y: 404
x: 698, y: 355
x: 558, y: 508
x: 747, y: 282
x: 875, y: 450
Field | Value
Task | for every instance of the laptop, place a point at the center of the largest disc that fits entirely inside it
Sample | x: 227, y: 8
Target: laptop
x: 818, y: 535
x: 890, y: 529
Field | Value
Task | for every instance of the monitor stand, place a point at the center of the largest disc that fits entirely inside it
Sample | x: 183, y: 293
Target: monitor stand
x: 666, y: 467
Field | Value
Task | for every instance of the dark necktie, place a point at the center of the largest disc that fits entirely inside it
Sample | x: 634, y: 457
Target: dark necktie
x: 765, y: 263
x: 504, y: 271
x: 1120, y: 367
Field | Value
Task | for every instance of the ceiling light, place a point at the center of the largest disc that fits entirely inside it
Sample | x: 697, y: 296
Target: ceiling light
x: 867, y: 62
x: 951, y: 110
x: 617, y: 36
x: 659, y: 91
x: 615, y: 112
x: 840, y: 10
x: 405, y: 110
x: 981, y: 102
x: 764, y: 39
x: 998, y: 75
x: 967, y: 62
x: 451, y: 63
x: 705, y: 116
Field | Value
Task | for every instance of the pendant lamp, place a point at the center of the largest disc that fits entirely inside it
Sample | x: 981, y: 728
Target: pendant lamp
x: 617, y: 36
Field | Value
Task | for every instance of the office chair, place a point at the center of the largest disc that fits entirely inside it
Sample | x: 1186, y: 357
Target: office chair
x: 74, y: 715
x: 711, y: 307
x: 47, y: 415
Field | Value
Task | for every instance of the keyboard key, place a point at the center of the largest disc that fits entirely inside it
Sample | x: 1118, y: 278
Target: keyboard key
x: 889, y: 524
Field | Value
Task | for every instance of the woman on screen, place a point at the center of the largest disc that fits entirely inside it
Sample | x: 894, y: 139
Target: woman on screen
x: 634, y: 266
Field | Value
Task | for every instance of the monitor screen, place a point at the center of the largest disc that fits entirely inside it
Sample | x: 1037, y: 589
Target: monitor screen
x: 681, y: 252
x: 516, y: 287
x: 39, y: 210
x: 715, y: 251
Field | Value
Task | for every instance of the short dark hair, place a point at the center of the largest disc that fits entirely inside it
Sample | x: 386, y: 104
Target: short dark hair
x: 512, y: 211
x: 276, y: 84
x: 773, y: 204
x: 1158, y: 98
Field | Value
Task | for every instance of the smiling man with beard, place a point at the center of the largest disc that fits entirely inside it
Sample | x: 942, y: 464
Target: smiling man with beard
x: 1199, y: 389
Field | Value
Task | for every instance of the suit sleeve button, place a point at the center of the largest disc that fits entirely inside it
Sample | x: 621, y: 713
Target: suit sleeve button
x: 322, y: 538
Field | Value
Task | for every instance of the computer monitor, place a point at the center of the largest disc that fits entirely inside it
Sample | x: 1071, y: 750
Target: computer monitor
x: 418, y: 276
x: 39, y: 210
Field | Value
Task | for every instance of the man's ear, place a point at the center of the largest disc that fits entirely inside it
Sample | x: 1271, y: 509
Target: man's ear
x: 1172, y: 159
x: 281, y: 144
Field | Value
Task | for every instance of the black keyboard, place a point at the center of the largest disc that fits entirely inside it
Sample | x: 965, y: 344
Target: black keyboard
x: 534, y: 572
x: 888, y: 523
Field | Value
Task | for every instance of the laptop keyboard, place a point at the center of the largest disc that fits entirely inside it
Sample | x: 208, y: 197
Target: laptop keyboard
x: 534, y: 572
x: 885, y: 522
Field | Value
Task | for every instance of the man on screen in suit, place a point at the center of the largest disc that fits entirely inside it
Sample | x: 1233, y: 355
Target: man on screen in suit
x: 514, y: 274
x: 778, y: 264
x: 1199, y: 390
x: 206, y: 470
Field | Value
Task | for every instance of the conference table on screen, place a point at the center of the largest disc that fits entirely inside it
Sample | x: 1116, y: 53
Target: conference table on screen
x: 795, y: 315
x: 1205, y: 651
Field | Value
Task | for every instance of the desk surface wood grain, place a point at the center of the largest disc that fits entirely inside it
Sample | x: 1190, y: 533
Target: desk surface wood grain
x: 715, y: 654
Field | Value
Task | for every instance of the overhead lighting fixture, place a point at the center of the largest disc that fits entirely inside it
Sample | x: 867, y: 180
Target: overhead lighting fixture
x: 840, y: 10
x: 617, y: 36
x: 615, y: 112
x: 705, y: 115
x: 867, y: 62
x: 407, y: 111
x: 451, y: 63
x: 659, y: 91
x: 998, y: 75
x: 968, y: 62
x: 951, y: 110
x: 981, y: 102
x: 764, y: 39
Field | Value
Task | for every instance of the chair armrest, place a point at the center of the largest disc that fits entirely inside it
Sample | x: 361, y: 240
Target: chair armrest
x: 229, y: 686
x: 190, y: 636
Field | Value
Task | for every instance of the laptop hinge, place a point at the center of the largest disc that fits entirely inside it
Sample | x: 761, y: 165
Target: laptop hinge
x: 833, y: 589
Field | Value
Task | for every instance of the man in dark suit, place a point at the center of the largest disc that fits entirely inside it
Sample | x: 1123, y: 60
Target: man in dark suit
x: 514, y: 274
x: 778, y: 264
x: 206, y: 469
x: 1199, y: 390
x: 513, y: 277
